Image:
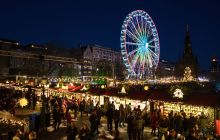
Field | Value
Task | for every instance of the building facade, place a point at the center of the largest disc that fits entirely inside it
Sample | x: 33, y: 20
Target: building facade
x: 40, y: 60
x: 35, y: 61
x: 165, y: 69
x: 99, y: 61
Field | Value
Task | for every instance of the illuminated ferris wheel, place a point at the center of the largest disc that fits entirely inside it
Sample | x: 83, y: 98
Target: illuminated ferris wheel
x: 140, y: 45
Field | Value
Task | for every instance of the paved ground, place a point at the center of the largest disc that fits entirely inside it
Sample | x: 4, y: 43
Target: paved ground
x: 61, y: 133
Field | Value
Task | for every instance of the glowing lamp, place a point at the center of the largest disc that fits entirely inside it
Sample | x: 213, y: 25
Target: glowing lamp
x: 102, y: 86
x: 123, y: 90
x: 146, y: 88
x: 23, y: 102
x: 178, y: 93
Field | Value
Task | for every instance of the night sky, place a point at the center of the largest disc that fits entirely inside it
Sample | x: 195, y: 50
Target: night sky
x: 75, y: 22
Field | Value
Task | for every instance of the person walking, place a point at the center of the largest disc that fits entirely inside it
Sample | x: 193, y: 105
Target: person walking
x: 153, y: 122
x: 129, y: 120
x: 72, y: 131
x: 163, y: 126
x: 82, y: 106
x: 116, y: 119
x: 110, y: 114
x: 93, y: 122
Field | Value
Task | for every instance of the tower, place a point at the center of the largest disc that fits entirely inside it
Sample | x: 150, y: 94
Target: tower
x: 214, y: 70
x: 187, y: 44
x: 188, y: 59
x: 214, y: 65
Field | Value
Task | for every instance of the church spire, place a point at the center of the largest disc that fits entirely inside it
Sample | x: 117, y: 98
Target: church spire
x: 187, y: 27
x: 187, y: 47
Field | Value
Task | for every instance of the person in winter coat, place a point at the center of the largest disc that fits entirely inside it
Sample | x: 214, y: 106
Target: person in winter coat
x: 82, y: 107
x: 56, y: 118
x: 116, y: 119
x: 68, y: 118
x: 153, y: 122
x: 93, y: 122
x: 72, y: 131
x: 163, y: 126
x: 121, y: 115
x: 110, y: 114
x: 138, y: 128
x: 178, y: 122
x: 203, y: 121
x: 129, y: 121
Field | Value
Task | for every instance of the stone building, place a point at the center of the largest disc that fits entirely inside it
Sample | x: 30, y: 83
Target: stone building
x: 188, y: 59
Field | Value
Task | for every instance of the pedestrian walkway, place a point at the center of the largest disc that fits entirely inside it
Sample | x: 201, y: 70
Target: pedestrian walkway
x: 50, y: 134
x: 61, y: 133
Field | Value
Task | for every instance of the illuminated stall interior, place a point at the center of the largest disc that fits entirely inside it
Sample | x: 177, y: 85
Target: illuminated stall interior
x: 193, y: 103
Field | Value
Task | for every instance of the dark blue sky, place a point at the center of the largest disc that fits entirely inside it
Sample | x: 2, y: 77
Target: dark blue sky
x: 71, y: 22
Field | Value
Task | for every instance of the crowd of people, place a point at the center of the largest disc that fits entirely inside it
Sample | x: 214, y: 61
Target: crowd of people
x: 180, y: 126
x: 60, y: 107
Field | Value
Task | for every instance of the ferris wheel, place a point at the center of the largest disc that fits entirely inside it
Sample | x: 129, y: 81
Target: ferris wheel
x: 140, y: 47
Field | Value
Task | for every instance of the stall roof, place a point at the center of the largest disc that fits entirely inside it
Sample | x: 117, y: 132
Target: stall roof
x: 196, y: 98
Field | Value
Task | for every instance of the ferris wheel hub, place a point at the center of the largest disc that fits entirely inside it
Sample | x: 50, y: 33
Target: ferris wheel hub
x: 146, y: 44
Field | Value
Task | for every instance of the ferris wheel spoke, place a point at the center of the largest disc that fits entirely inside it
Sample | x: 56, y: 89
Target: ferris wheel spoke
x: 143, y: 63
x: 149, y: 60
x: 140, y: 69
x: 133, y: 37
x: 142, y: 26
x: 139, y: 29
x: 133, y: 51
x: 153, y: 53
x: 147, y: 32
x: 145, y: 29
x: 147, y: 65
x: 150, y: 41
x: 143, y: 66
x: 153, y: 59
x: 134, y: 60
x: 151, y: 46
x: 136, y: 44
x: 135, y: 29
